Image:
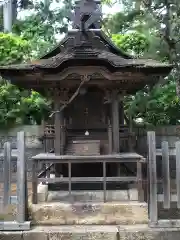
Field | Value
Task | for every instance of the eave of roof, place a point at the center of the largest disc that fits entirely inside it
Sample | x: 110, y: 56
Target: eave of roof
x: 92, y: 51
x: 102, y: 56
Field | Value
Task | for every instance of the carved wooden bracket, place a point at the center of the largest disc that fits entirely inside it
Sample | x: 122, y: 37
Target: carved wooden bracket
x: 60, y: 94
x: 85, y: 77
x: 108, y: 95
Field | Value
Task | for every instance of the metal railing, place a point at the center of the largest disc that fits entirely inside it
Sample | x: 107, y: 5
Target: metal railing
x: 13, y: 214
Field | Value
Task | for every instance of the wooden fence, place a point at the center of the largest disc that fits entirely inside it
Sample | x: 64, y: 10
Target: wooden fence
x: 17, y: 208
x: 166, y: 198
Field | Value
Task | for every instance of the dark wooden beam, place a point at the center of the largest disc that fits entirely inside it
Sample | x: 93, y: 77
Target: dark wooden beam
x: 121, y: 113
x: 130, y: 142
x: 61, y: 127
x: 115, y: 120
x: 57, y: 138
x: 109, y: 138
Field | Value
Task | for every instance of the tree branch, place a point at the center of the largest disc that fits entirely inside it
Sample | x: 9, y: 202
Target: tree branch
x: 70, y: 100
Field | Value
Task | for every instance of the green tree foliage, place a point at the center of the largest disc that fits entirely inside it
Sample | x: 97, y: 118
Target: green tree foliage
x: 157, y: 106
x: 160, y: 106
x: 37, y: 34
x: 18, y: 106
x: 13, y: 49
x: 44, y: 25
x: 122, y: 22
x: 135, y: 16
x: 134, y: 43
x: 158, y: 21
x: 142, y: 28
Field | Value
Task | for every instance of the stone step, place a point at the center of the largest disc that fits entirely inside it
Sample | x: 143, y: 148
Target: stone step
x: 135, y: 232
x: 123, y: 213
x: 94, y: 195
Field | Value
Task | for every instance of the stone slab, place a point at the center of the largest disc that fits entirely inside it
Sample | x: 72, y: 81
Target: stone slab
x: 93, y: 196
x: 132, y: 232
x: 9, y: 213
x: 39, y: 234
x: 11, y: 235
x: 89, y: 213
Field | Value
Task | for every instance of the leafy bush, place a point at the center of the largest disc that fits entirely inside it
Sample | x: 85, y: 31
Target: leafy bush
x: 13, y: 49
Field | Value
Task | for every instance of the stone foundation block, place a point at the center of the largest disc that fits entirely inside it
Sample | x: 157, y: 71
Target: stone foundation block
x: 42, y: 192
x: 11, y: 235
x: 35, y: 235
x: 89, y: 213
x: 80, y: 232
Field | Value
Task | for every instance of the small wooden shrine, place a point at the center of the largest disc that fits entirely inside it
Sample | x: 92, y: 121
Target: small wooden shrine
x: 87, y: 77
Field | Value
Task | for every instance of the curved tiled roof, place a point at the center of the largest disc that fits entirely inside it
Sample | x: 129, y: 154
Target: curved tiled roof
x: 86, y: 44
x: 87, y: 54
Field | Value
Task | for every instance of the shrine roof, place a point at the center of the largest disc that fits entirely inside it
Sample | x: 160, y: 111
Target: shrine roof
x: 102, y: 37
x: 85, y: 45
x: 84, y: 56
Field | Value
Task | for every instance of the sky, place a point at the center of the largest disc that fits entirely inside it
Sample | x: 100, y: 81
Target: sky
x: 114, y: 9
x: 106, y: 9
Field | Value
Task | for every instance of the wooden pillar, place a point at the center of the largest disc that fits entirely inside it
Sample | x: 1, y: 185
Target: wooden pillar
x: 57, y: 138
x: 121, y: 120
x: 130, y: 142
x: 109, y: 137
x: 59, y: 129
x: 115, y: 121
x: 64, y: 134
x: 121, y: 113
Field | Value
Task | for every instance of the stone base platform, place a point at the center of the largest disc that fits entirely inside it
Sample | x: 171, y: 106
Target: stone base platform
x: 93, y: 196
x: 136, y: 232
x: 89, y: 213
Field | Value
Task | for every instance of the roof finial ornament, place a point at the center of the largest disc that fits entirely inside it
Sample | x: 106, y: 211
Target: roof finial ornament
x: 87, y: 15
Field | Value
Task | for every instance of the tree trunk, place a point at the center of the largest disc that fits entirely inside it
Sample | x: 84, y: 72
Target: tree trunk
x: 14, y: 11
